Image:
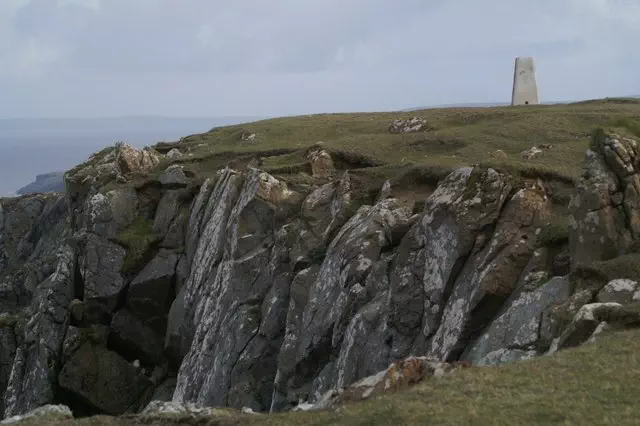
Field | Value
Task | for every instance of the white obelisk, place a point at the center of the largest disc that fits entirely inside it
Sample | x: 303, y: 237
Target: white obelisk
x: 525, y: 87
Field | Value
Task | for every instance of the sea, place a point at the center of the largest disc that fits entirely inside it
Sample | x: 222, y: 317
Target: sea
x: 29, y: 147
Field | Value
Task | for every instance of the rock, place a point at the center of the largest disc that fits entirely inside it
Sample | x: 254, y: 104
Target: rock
x: 246, y: 136
x: 605, y: 208
x: 35, y: 367
x: 335, y: 296
x: 514, y: 334
x: 174, y: 177
x: 499, y: 154
x: 590, y: 316
x: 151, y: 293
x: 236, y: 295
x: 321, y: 163
x: 433, y: 254
x: 164, y: 391
x: 174, y: 154
x: 412, y: 125
x: 160, y: 409
x: 619, y: 291
x: 8, y: 346
x: 109, y: 214
x: 399, y: 375
x: 132, y: 160
x: 101, y: 264
x: 103, y: 379
x: 531, y: 153
x: 51, y: 412
x: 325, y: 209
x: 176, y: 343
x: 134, y: 338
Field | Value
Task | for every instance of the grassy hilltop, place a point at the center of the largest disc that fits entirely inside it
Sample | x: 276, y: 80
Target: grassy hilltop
x: 460, y: 136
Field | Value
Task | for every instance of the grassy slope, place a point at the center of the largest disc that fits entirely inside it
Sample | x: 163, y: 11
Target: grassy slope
x: 462, y: 136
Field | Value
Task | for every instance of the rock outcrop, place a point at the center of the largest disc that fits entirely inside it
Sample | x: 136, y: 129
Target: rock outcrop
x: 257, y: 293
x: 605, y: 209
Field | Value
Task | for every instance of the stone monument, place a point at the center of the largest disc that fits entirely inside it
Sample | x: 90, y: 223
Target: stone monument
x: 525, y: 88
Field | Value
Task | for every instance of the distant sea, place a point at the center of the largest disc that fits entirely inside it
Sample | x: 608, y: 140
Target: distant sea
x: 29, y: 147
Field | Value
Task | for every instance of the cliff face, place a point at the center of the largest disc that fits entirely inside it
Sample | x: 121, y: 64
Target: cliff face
x: 245, y: 290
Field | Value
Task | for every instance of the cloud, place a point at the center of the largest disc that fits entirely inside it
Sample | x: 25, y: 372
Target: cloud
x: 198, y: 57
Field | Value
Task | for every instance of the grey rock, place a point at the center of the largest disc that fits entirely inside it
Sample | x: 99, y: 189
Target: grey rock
x: 8, y: 346
x: 174, y: 177
x: 515, y: 333
x: 135, y: 339
x: 338, y: 293
x: 174, y: 154
x: 103, y: 379
x: 590, y: 316
x: 619, y: 291
x: 167, y: 211
x: 107, y: 215
x: 176, y: 344
x: 51, y: 412
x: 151, y: 293
x: 36, y: 364
x: 164, y: 391
x: 605, y: 209
x: 239, y: 274
x: 434, y: 252
x: 101, y: 264
x: 326, y: 208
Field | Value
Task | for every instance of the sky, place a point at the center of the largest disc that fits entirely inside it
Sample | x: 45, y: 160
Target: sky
x: 92, y: 58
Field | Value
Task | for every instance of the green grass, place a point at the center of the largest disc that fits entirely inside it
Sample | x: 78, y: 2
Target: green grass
x: 462, y: 136
x: 555, y: 232
x: 138, y: 239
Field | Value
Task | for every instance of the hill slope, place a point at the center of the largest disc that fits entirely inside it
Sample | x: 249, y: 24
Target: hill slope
x: 460, y: 136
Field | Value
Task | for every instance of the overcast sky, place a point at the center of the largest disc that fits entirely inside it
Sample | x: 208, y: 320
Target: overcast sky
x: 74, y: 58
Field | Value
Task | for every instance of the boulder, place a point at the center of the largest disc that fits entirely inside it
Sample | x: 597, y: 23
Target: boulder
x: 589, y: 318
x: 174, y: 154
x: 321, y: 163
x: 619, y: 291
x: 174, y: 177
x: 151, y: 292
x: 103, y: 379
x: 412, y: 125
x: 132, y: 160
x: 531, y: 153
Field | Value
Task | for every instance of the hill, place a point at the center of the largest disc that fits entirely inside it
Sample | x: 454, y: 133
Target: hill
x: 457, y: 137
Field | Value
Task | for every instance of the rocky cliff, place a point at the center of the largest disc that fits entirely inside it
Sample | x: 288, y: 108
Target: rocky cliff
x: 146, y: 282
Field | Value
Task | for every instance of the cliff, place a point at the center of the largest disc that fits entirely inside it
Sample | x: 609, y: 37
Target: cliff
x: 162, y: 275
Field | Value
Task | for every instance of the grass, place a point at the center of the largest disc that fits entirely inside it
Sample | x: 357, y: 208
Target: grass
x: 597, y: 383
x: 555, y: 232
x: 462, y: 136
x: 138, y: 239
